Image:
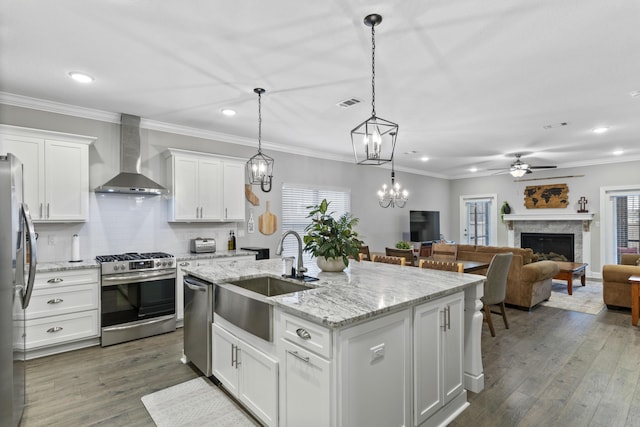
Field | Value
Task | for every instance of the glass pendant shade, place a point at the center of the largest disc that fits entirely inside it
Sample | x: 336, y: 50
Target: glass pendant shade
x: 260, y: 166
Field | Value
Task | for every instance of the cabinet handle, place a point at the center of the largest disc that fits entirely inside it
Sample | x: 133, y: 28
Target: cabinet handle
x: 303, y: 333
x: 449, y: 317
x: 226, y: 214
x: 237, y: 359
x: 54, y: 329
x: 48, y: 210
x: 55, y: 301
x: 444, y: 319
x: 297, y: 356
x: 55, y: 280
x: 233, y: 359
x: 40, y: 210
x: 184, y: 264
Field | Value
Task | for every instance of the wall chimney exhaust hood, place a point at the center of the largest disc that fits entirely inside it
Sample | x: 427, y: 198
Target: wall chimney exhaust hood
x: 130, y: 180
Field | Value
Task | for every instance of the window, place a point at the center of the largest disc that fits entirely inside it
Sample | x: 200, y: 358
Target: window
x: 627, y: 224
x: 478, y: 220
x: 295, y: 199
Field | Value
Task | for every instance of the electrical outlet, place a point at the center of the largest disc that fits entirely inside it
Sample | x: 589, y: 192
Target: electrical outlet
x: 377, y: 352
x: 51, y: 240
x: 240, y: 232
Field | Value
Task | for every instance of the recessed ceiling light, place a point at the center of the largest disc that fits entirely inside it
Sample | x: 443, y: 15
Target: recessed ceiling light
x: 473, y: 170
x: 81, y: 77
x: 601, y: 129
x: 424, y: 159
x: 618, y: 152
x: 228, y: 112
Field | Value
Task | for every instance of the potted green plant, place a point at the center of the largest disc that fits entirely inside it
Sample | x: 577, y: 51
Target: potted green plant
x: 404, y: 245
x: 332, y: 241
x: 505, y: 209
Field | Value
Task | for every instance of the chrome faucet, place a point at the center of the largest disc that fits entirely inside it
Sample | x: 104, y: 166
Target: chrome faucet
x: 301, y: 268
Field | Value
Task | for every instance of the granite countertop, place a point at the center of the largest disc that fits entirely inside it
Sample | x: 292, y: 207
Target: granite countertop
x: 43, y: 267
x: 187, y: 256
x: 362, y: 291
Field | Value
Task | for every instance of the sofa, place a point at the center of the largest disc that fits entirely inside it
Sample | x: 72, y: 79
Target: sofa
x: 616, y: 291
x: 529, y: 280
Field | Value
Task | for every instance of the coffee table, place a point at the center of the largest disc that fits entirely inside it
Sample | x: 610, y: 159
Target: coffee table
x: 568, y: 270
x: 635, y: 299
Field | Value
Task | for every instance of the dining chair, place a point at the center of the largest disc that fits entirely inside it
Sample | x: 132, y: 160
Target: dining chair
x: 444, y: 252
x: 364, y: 254
x: 407, y: 254
x: 495, y: 288
x: 442, y: 265
x: 389, y: 259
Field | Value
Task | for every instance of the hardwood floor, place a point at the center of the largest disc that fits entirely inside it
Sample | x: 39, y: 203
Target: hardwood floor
x: 552, y: 368
x: 103, y: 386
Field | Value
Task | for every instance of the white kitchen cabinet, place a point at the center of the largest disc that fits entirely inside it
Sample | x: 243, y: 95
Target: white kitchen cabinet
x: 63, y: 313
x: 205, y: 187
x: 56, y: 172
x: 247, y: 373
x: 438, y: 355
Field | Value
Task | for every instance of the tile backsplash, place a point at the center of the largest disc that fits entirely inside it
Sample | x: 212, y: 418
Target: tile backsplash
x: 125, y: 223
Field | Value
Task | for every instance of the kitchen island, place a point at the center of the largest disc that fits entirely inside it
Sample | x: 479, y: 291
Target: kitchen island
x: 375, y: 345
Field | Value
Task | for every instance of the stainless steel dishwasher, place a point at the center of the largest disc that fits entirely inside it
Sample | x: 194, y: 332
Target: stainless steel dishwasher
x: 198, y: 316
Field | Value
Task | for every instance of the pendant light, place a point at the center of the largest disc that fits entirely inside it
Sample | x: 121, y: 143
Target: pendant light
x: 375, y: 137
x: 260, y: 166
x: 392, y: 196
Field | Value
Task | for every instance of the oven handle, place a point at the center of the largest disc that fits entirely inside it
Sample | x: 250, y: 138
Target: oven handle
x: 138, y: 324
x: 134, y: 278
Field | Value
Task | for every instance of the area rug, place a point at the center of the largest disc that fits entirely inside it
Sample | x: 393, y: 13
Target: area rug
x: 194, y: 403
x: 585, y: 299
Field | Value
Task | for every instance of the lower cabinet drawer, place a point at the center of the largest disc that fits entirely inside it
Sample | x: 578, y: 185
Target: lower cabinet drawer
x: 59, y: 329
x: 307, y: 335
x: 62, y: 300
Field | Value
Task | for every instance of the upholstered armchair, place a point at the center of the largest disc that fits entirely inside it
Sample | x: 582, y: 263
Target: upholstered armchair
x: 616, y: 290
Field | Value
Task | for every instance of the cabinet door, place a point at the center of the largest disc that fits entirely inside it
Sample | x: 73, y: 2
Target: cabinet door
x: 224, y: 356
x: 30, y: 152
x: 66, y: 181
x: 234, y: 191
x: 185, y: 188
x: 306, y: 378
x: 376, y: 356
x: 209, y: 185
x: 427, y: 360
x: 453, y: 349
x: 258, y: 383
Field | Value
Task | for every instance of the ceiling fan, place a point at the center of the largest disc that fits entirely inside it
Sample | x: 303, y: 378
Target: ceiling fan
x: 520, y: 168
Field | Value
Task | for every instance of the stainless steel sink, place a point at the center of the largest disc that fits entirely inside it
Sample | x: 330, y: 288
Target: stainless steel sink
x: 244, y: 302
x: 270, y: 286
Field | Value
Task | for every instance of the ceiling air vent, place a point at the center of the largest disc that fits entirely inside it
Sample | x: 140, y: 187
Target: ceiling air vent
x: 348, y: 102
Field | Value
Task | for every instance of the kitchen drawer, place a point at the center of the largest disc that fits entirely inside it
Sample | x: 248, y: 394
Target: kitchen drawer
x: 307, y: 335
x: 53, y: 330
x: 66, y: 278
x: 62, y: 300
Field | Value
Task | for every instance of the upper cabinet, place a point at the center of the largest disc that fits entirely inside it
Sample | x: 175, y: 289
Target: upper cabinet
x: 205, y: 187
x: 55, y: 170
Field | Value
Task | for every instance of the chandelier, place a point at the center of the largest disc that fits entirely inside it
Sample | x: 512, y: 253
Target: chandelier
x: 392, y: 196
x: 375, y: 136
x: 260, y: 166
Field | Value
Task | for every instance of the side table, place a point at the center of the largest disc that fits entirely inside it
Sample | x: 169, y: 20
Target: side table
x: 635, y: 299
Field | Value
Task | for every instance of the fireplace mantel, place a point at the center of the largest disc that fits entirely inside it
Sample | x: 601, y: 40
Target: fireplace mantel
x: 550, y: 217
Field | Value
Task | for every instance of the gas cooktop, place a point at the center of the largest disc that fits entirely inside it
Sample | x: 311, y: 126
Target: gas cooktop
x: 134, y: 261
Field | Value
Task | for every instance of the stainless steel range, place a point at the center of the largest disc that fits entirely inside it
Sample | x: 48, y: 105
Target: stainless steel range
x: 138, y: 296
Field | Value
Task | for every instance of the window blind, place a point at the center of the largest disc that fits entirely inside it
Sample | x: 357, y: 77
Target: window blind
x: 295, y: 202
x: 627, y: 224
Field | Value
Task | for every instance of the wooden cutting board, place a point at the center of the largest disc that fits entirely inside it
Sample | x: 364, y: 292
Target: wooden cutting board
x: 267, y: 222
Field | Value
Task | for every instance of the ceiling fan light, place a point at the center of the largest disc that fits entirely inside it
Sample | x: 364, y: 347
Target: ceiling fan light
x: 518, y: 173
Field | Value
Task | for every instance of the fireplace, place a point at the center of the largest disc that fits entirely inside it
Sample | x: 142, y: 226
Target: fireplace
x: 551, y: 246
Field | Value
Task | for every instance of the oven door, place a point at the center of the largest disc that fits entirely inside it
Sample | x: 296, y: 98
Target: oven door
x: 131, y: 297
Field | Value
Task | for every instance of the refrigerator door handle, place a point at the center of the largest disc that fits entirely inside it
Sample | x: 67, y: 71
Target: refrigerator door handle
x: 34, y: 257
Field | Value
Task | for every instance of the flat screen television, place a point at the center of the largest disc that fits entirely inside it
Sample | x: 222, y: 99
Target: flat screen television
x: 424, y: 226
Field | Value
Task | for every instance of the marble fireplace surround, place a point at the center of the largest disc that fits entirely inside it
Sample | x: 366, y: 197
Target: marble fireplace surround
x: 578, y: 224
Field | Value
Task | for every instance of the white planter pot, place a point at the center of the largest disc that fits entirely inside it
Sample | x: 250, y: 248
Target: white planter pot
x: 330, y: 264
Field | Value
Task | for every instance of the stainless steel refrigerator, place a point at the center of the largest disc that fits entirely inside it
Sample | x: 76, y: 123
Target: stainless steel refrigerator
x: 17, y: 261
